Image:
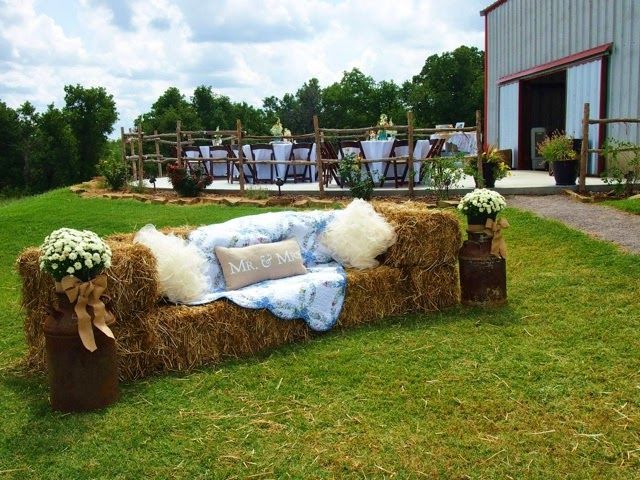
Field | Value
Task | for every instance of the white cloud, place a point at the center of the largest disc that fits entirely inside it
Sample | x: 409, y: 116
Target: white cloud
x: 245, y: 49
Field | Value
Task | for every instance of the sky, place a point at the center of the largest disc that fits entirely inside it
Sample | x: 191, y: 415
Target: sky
x: 246, y: 50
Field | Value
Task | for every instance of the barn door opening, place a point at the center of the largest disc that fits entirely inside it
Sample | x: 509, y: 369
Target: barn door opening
x: 543, y: 109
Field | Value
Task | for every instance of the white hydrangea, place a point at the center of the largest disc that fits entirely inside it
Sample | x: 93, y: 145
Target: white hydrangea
x: 72, y: 252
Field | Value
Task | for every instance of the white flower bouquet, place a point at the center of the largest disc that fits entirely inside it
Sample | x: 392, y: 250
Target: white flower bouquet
x: 82, y: 254
x: 482, y: 201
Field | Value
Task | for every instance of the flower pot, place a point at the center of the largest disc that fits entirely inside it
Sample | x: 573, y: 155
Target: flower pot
x: 480, y: 218
x: 488, y: 175
x: 79, y: 380
x: 565, y: 172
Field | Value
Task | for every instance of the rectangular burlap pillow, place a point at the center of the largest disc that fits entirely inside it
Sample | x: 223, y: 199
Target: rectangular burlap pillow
x: 255, y: 263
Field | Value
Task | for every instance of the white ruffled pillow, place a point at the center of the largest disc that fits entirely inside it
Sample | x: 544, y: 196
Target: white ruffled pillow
x: 180, y: 265
x: 358, y: 235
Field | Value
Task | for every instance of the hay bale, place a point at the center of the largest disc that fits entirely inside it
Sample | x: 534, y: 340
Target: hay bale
x: 427, y: 238
x: 128, y: 237
x: 373, y: 294
x: 434, y: 289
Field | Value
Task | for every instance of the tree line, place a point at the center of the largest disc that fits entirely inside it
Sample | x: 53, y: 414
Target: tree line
x: 58, y: 147
x: 448, y: 89
x: 62, y: 146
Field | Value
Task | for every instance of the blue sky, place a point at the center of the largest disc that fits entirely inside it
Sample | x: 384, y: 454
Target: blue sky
x: 244, y: 49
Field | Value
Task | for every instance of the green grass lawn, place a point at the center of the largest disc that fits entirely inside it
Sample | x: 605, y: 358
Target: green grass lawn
x: 547, y: 387
x: 627, y: 205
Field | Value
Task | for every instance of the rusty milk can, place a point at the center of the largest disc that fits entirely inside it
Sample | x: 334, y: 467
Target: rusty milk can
x: 79, y: 380
x: 483, y: 276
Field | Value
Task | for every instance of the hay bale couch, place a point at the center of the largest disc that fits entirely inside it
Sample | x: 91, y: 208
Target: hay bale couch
x: 417, y: 274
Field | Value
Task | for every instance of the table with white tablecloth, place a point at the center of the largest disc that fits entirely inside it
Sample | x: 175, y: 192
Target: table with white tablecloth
x: 280, y: 150
x: 217, y: 169
x: 377, y: 150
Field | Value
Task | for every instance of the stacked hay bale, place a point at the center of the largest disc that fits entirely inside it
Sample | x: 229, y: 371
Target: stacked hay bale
x: 419, y: 273
x: 426, y: 251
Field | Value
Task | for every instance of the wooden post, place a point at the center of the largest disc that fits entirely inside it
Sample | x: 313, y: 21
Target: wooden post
x: 178, y: 144
x: 319, y: 166
x: 140, y: 158
x: 123, y: 147
x: 480, y: 143
x: 584, y: 149
x: 155, y: 132
x: 240, y: 154
x: 410, y: 159
x: 132, y: 152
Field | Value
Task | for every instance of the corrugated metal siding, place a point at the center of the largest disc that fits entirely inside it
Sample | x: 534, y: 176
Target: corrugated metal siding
x: 583, y: 86
x: 522, y: 34
x: 508, y: 136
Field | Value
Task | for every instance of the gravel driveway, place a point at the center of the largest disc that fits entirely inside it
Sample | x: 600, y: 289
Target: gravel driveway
x: 605, y: 223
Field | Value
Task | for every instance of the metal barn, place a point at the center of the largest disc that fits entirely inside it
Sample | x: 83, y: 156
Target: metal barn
x: 545, y: 58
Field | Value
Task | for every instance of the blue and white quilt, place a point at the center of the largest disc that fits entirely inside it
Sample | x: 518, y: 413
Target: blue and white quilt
x: 315, y: 297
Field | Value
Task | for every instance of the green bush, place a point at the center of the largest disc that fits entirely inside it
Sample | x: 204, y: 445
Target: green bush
x: 114, y: 171
x: 352, y: 176
x: 623, y: 166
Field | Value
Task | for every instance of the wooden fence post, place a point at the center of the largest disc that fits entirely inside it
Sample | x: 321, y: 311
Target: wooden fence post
x: 410, y: 159
x: 140, y: 158
x: 584, y: 149
x: 157, y: 141
x: 240, y: 154
x: 132, y: 151
x: 319, y: 166
x: 480, y: 143
x: 178, y: 144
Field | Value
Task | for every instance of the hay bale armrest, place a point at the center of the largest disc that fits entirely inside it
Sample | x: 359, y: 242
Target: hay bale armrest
x: 418, y: 274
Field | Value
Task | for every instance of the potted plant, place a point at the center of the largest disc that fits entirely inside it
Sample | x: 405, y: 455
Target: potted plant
x: 493, y: 167
x: 557, y: 149
x: 481, y: 204
x: 188, y: 182
x: 80, y: 346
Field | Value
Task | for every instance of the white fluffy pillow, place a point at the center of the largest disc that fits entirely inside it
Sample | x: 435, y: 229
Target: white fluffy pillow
x: 180, y: 265
x: 358, y: 235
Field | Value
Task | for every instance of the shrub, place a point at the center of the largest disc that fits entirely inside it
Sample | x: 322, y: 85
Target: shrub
x: 352, y: 176
x: 443, y: 173
x: 114, y: 171
x: 623, y: 166
x: 188, y: 182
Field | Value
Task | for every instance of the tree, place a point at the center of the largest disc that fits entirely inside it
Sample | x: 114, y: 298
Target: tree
x: 449, y: 88
x: 348, y: 103
x: 213, y: 110
x: 170, y: 107
x: 28, y: 127
x: 55, y: 161
x: 91, y: 113
x: 10, y: 165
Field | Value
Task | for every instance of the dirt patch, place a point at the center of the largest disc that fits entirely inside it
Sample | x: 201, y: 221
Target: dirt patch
x: 95, y: 189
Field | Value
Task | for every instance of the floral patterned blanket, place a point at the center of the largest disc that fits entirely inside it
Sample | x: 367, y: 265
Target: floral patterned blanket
x: 315, y: 297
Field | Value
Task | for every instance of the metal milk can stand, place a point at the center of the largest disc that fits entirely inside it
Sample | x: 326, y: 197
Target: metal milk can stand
x: 483, y: 276
x: 79, y: 380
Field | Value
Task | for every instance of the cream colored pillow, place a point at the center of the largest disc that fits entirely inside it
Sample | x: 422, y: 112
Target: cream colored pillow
x: 255, y: 263
x: 358, y: 235
x: 180, y: 265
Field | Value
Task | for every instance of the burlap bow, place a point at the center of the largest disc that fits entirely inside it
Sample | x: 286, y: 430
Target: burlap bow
x: 493, y: 229
x: 83, y: 294
x: 498, y: 245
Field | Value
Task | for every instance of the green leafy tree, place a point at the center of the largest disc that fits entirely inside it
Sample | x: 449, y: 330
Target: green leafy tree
x: 170, y: 107
x: 448, y: 89
x: 91, y: 113
x: 28, y: 128
x: 55, y: 161
x: 12, y: 173
x: 213, y: 110
x: 348, y: 104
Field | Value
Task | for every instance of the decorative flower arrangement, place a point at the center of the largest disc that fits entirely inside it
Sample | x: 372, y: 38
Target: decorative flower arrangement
x: 82, y: 254
x: 493, y: 160
x: 188, y: 182
x: 557, y: 147
x: 276, y: 129
x: 482, y: 201
x: 384, y: 123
